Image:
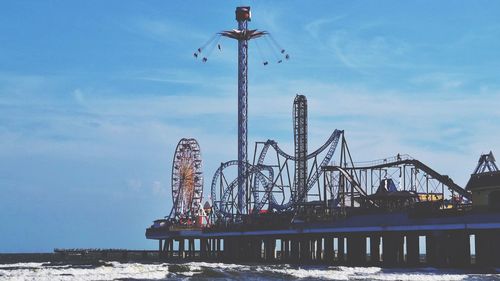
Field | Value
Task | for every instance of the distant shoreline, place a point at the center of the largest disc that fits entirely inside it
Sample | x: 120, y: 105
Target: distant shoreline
x: 89, y: 257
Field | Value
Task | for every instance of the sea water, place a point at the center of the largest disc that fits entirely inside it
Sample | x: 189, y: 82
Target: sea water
x: 221, y: 271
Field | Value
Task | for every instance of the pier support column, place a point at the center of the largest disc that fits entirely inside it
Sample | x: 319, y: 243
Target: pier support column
x: 210, y: 248
x: 488, y: 248
x: 233, y: 248
x: 214, y: 248
x: 375, y: 249
x: 328, y: 253
x: 459, y: 248
x: 436, y: 249
x: 240, y: 248
x: 170, y: 253
x: 340, y: 250
x: 283, y: 250
x: 319, y: 250
x: 305, y: 250
x: 429, y: 246
x: 270, y: 249
x: 191, y: 248
x: 226, y: 254
x: 412, y: 250
x: 236, y: 242
x: 165, y: 253
x: 203, y: 248
x: 218, y: 248
x: 287, y: 250
x: 181, y: 249
x: 260, y: 250
x: 356, y: 249
x: 252, y: 254
x: 295, y: 253
x: 267, y: 249
x: 256, y: 249
x: 160, y: 249
x: 244, y: 252
x: 392, y: 249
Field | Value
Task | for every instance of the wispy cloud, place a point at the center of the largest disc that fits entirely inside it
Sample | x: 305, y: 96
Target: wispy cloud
x: 367, y: 52
x: 164, y: 30
x: 319, y: 27
x: 439, y: 80
x: 366, y: 47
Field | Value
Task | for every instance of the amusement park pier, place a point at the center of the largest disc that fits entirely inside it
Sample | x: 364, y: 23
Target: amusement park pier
x: 321, y: 206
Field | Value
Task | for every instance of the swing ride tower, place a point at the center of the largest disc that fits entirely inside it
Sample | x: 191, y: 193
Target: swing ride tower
x: 242, y: 35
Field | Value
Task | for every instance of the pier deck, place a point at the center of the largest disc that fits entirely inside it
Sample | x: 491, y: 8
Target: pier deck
x: 385, y: 239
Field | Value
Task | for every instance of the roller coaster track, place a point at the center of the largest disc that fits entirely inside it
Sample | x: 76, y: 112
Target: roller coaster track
x: 446, y: 180
x: 332, y: 143
x: 350, y: 179
x: 255, y: 170
x: 335, y: 136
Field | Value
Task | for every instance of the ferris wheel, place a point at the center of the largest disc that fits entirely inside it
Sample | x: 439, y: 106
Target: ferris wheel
x: 187, y: 180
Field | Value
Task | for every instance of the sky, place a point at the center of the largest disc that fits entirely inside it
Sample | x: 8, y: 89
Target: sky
x: 95, y: 95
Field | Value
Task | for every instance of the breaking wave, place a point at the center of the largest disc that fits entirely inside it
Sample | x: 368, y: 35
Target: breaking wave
x: 221, y: 271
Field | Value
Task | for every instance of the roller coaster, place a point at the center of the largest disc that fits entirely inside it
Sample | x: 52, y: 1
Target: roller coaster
x: 280, y: 183
x: 275, y: 184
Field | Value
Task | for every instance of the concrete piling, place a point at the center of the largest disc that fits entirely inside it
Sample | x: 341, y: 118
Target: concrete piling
x: 375, y: 249
x: 356, y: 249
x: 341, y: 250
x: 412, y: 250
x: 328, y: 250
x: 392, y: 249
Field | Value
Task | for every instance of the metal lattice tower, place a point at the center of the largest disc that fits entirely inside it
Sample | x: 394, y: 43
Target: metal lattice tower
x: 486, y: 164
x: 300, y: 140
x: 243, y: 35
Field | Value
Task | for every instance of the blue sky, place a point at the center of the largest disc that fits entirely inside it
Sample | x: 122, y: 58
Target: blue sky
x: 94, y: 96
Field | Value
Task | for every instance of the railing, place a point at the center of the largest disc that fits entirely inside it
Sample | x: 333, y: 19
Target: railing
x: 96, y: 250
x: 399, y: 157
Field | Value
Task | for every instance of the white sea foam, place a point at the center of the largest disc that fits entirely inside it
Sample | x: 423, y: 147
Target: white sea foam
x: 37, y: 271
x: 361, y: 273
x: 208, y: 271
x: 21, y: 264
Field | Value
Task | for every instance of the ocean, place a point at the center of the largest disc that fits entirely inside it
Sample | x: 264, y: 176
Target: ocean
x: 221, y: 271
